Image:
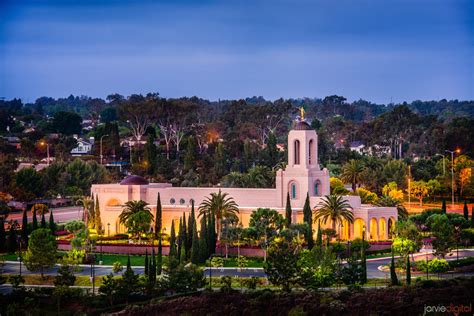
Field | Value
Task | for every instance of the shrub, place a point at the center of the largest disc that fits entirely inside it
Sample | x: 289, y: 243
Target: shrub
x: 117, y: 267
x: 251, y: 283
x: 226, y: 283
x: 438, y: 266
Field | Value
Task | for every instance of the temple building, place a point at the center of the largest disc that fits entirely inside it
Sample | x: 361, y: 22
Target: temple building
x: 303, y: 175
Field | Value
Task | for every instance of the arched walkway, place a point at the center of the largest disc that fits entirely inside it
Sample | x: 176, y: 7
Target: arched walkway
x: 344, y: 231
x: 383, y: 229
x: 373, y: 229
x: 359, y: 225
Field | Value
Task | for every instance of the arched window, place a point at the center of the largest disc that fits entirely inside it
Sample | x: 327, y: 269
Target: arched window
x: 293, y: 189
x: 310, y: 152
x: 297, y: 152
x: 317, y: 188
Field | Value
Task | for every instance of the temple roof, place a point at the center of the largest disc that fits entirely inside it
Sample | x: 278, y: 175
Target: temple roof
x: 134, y: 180
x: 301, y: 126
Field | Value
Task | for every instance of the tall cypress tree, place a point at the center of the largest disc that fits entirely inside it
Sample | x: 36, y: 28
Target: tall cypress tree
x: 319, y: 238
x: 35, y: 220
x: 472, y: 217
x: 180, y: 239
x: 288, y: 211
x: 153, y: 269
x: 3, y: 236
x: 184, y: 235
x: 43, y: 221
x: 97, y: 219
x: 24, y: 230
x: 212, y: 235
x: 393, y: 274
x: 203, y: 242
x: 12, y: 245
x: 173, y: 252
x: 408, y: 271
x: 159, y: 261
x: 158, y: 216
x: 308, y: 219
x: 52, y: 224
x: 147, y: 268
x: 195, y: 254
x: 443, y: 206
x: 466, y: 211
x: 363, y: 260
x: 191, y: 226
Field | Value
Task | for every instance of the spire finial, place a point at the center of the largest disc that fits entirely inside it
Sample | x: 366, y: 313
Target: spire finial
x: 302, y: 113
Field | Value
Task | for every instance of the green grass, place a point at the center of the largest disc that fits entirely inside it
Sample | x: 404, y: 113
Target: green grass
x: 251, y: 263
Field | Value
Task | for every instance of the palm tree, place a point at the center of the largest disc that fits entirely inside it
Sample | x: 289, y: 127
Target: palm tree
x: 133, y: 207
x: 219, y: 205
x: 334, y: 208
x: 388, y: 201
x: 135, y: 215
x: 86, y: 202
x: 352, y: 173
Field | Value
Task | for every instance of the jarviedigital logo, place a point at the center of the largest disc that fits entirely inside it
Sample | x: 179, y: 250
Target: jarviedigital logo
x: 451, y: 309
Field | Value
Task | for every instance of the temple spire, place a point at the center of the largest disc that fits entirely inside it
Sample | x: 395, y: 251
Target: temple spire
x: 302, y: 113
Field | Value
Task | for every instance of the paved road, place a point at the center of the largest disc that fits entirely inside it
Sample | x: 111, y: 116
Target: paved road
x: 61, y: 214
x: 372, y: 268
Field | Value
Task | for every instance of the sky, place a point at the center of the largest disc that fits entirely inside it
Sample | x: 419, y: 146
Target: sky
x: 380, y: 51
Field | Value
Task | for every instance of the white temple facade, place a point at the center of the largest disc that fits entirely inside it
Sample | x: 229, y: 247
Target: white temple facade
x: 303, y: 175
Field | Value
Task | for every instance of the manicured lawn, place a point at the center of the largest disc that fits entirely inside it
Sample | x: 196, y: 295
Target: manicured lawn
x: 35, y: 279
x: 251, y: 263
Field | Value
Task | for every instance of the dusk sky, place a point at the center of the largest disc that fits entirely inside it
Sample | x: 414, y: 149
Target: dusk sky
x: 375, y: 50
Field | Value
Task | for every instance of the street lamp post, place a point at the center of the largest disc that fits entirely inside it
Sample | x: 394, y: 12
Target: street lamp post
x: 452, y: 174
x: 101, y: 153
x: 43, y: 143
x: 409, y: 185
x: 444, y: 163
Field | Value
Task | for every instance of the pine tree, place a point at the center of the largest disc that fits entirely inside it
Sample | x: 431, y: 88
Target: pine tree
x: 43, y: 221
x: 203, y: 242
x: 24, y: 230
x: 97, y: 219
x: 12, y: 245
x: 173, y: 252
x: 363, y: 260
x: 308, y: 219
x: 319, y: 238
x: 3, y: 237
x: 288, y: 211
x: 147, y: 271
x: 129, y: 266
x: 220, y: 168
x: 158, y: 216
x: 190, y: 157
x: 443, y: 206
x: 272, y: 150
x: 466, y: 211
x: 195, y: 254
x: 393, y: 274
x: 150, y: 154
x: 35, y: 220
x: 52, y: 224
x: 408, y: 271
